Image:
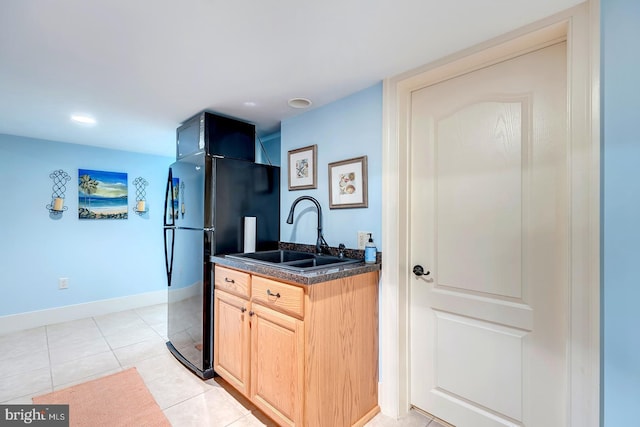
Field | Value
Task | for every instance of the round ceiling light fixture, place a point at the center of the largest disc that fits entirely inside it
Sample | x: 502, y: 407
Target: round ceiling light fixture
x: 83, y: 119
x: 299, y: 102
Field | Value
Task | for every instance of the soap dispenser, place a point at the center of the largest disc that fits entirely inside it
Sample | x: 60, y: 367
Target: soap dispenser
x: 370, y: 251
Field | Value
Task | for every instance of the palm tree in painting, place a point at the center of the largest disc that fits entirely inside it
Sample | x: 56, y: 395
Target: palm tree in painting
x: 88, y: 186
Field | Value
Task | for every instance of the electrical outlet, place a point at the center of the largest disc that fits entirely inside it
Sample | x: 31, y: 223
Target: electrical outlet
x: 363, y: 238
x: 63, y: 283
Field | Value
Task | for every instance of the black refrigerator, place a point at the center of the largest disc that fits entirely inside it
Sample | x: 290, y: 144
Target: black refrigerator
x: 207, y: 200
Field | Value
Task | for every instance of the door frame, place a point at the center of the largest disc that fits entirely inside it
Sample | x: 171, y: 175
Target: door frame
x: 579, y: 26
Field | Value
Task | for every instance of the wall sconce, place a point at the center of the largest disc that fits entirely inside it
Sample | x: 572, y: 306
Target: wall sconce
x: 141, y: 195
x: 182, y: 210
x: 60, y: 179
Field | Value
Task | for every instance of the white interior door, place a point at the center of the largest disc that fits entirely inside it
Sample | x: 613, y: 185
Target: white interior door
x: 489, y: 221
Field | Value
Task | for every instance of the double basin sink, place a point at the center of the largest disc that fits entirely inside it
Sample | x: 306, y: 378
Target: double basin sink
x: 293, y: 260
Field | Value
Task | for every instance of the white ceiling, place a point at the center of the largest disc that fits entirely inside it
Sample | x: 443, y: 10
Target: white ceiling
x: 140, y: 67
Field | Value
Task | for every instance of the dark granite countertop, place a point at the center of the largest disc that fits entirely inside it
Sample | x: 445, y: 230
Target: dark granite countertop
x: 308, y: 278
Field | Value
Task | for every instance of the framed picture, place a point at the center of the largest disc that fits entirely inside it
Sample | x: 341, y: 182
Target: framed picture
x: 102, y: 195
x: 303, y: 172
x: 175, y: 188
x: 348, y: 183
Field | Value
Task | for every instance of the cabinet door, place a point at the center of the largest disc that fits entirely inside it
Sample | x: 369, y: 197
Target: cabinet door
x: 231, y: 340
x: 277, y: 365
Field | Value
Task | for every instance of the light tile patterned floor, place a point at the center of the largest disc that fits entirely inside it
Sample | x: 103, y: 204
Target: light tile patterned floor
x: 40, y: 360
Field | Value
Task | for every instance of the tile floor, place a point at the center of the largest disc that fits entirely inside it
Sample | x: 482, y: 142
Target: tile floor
x: 40, y: 360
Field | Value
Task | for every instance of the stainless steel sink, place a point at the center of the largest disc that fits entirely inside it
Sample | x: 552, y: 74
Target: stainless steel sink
x: 293, y: 260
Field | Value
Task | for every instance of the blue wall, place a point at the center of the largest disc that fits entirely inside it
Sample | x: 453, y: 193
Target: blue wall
x: 347, y: 128
x: 268, y: 153
x: 102, y: 258
x: 621, y: 210
x: 106, y: 259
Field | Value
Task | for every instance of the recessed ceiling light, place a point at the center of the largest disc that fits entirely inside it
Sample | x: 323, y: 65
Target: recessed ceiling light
x: 299, y: 102
x: 83, y: 119
x: 249, y: 104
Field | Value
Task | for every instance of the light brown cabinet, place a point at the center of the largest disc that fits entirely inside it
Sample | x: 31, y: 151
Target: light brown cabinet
x: 231, y: 340
x: 277, y: 365
x: 305, y: 355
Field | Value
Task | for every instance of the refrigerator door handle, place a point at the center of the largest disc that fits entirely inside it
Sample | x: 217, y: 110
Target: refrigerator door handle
x: 191, y: 228
x: 169, y: 201
x: 168, y: 258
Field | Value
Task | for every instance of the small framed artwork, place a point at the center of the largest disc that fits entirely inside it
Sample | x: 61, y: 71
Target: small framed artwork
x: 303, y: 173
x: 175, y: 187
x: 348, y: 183
x: 102, y: 194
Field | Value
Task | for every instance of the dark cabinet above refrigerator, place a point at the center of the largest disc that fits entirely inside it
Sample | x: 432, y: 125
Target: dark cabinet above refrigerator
x: 216, y: 136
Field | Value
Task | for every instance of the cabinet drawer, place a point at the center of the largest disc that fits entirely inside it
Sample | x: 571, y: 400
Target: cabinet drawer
x: 233, y: 281
x: 277, y: 295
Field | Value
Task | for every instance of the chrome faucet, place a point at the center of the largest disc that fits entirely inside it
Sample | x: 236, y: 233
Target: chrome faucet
x: 321, y: 244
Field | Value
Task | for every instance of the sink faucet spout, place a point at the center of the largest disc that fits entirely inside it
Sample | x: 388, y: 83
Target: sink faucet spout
x: 321, y: 244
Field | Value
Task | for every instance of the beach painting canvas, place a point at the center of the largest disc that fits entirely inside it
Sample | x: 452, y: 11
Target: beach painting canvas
x: 102, y: 195
x: 175, y: 186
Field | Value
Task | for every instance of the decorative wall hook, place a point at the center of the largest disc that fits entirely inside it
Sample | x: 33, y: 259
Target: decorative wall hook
x: 59, y: 188
x: 141, y: 195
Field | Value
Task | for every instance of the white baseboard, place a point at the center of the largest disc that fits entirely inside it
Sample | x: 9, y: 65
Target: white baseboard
x: 35, y: 319
x: 388, y: 405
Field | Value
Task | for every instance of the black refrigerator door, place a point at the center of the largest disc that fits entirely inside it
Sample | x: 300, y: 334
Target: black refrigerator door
x: 243, y: 189
x: 190, y: 300
x: 185, y: 194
